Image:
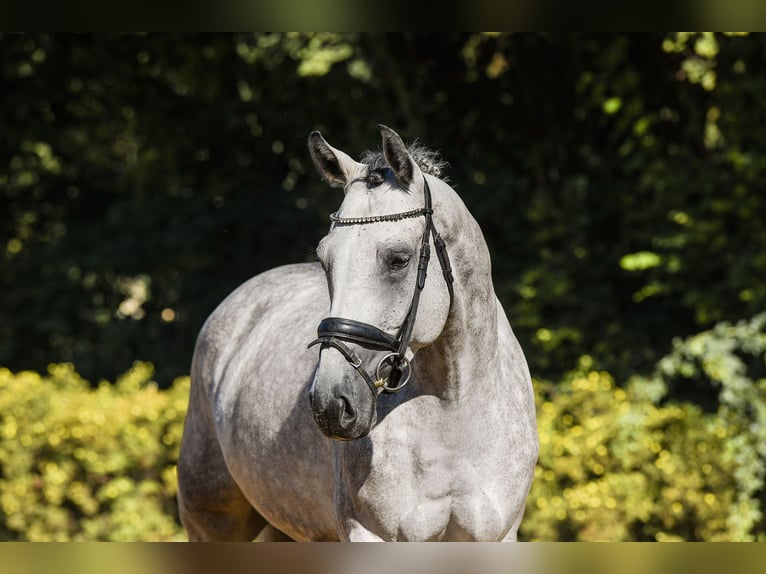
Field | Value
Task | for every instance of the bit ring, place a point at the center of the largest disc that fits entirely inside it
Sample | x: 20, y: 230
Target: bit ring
x: 384, y: 382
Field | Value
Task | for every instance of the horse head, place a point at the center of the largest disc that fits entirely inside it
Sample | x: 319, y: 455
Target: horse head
x: 376, y: 257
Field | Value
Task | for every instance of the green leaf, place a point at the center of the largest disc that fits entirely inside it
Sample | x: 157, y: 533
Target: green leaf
x: 640, y: 261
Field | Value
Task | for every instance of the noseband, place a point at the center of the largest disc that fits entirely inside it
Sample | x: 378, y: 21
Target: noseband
x: 336, y: 332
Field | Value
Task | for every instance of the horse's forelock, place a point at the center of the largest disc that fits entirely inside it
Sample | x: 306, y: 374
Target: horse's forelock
x: 428, y: 160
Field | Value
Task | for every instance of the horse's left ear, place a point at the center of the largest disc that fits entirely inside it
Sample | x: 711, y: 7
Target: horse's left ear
x: 398, y: 158
x: 335, y: 166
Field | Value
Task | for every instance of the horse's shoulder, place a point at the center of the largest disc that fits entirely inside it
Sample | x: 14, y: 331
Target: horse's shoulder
x: 267, y: 288
x: 243, y: 308
x: 276, y: 282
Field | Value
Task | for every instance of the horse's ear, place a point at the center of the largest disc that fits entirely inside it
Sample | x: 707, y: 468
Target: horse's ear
x: 335, y: 167
x: 398, y: 158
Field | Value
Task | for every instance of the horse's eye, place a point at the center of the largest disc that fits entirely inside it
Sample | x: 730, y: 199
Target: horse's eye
x: 397, y: 261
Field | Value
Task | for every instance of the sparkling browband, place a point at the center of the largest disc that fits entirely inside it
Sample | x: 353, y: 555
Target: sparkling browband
x: 377, y: 218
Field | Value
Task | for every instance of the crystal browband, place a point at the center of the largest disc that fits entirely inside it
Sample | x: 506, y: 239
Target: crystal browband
x: 377, y: 218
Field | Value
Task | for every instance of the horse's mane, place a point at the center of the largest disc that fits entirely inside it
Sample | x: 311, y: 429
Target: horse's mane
x: 428, y: 160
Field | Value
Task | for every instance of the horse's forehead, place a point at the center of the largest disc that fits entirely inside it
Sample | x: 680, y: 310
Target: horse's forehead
x: 384, y: 199
x: 363, y: 202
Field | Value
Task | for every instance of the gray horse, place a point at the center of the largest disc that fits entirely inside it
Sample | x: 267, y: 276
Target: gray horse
x: 428, y: 398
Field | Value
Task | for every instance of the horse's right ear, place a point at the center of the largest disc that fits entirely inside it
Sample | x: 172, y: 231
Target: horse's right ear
x: 335, y: 167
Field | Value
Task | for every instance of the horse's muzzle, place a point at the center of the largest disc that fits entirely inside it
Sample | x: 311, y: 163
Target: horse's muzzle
x: 341, y: 415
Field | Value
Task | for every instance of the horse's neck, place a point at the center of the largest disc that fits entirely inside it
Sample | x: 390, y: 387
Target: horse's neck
x: 466, y: 351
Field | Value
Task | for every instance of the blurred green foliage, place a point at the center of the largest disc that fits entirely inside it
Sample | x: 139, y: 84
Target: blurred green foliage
x: 82, y: 463
x: 617, y: 177
x: 616, y: 466
x: 630, y: 464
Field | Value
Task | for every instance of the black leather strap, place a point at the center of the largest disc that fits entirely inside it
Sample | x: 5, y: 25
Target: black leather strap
x: 443, y: 256
x: 363, y: 334
x: 351, y: 357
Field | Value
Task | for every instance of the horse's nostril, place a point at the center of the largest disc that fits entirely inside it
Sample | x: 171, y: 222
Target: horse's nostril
x: 346, y: 412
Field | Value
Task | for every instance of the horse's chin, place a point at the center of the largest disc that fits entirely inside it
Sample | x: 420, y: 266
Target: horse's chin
x: 337, y: 432
x: 350, y: 438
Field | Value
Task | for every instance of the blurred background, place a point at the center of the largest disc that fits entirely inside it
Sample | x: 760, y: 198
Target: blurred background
x: 618, y: 179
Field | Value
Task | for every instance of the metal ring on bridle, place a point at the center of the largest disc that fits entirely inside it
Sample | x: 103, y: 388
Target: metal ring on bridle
x: 401, y: 359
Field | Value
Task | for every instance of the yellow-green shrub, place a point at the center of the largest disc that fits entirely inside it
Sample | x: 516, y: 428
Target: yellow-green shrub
x: 630, y: 464
x: 78, y: 463
x: 615, y: 466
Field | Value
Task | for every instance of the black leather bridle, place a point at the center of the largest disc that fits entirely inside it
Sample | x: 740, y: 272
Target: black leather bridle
x: 336, y: 331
